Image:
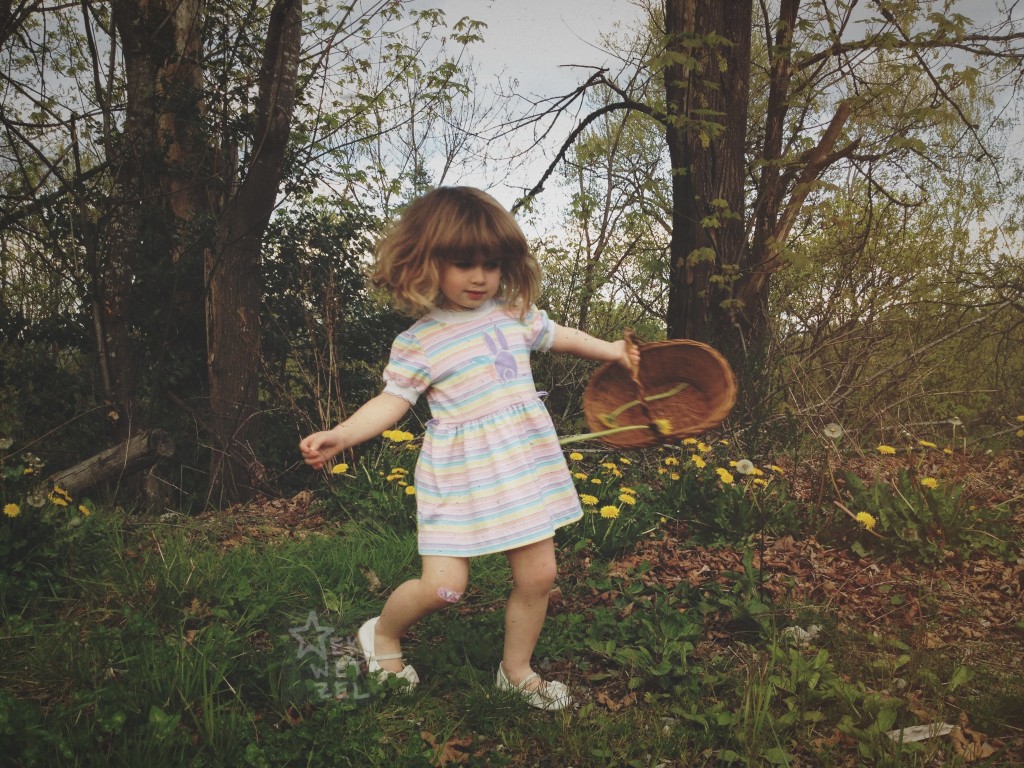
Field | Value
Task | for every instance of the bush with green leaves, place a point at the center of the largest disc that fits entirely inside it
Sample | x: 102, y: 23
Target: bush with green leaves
x: 377, y: 486
x: 723, y: 500
x: 619, y: 507
x: 37, y: 520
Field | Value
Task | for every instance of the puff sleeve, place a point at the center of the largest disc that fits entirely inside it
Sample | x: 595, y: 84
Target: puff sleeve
x: 540, y: 330
x: 407, y: 374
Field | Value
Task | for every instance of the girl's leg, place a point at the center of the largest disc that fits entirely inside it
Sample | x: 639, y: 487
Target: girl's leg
x: 442, y: 583
x: 533, y: 574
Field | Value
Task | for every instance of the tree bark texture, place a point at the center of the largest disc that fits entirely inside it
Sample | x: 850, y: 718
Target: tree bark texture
x: 707, y: 93
x: 151, y: 274
x: 140, y: 451
x: 233, y: 269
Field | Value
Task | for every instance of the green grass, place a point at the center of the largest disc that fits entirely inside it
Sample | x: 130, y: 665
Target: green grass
x: 138, y: 642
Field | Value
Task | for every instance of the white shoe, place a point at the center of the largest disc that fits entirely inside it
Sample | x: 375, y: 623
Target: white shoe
x: 551, y: 695
x: 365, y: 638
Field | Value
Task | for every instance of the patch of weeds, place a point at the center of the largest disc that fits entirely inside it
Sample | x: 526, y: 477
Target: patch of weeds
x: 919, y: 518
x: 377, y: 487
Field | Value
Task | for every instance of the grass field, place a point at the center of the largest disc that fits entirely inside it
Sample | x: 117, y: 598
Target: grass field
x: 802, y: 639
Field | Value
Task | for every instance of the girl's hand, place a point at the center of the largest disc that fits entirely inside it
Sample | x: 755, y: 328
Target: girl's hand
x: 320, y: 447
x: 628, y: 355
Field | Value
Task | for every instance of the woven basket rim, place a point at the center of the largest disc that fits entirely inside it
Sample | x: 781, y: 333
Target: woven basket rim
x: 705, y: 402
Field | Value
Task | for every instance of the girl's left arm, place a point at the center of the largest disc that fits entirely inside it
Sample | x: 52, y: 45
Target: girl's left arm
x: 576, y: 342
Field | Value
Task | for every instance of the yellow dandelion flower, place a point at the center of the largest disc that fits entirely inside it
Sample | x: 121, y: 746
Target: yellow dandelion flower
x: 1019, y: 433
x: 662, y: 427
x: 410, y: 490
x: 887, y: 450
x: 724, y: 475
x: 596, y: 481
x: 616, y: 473
x: 624, y: 460
x: 776, y: 469
x: 663, y: 520
x: 698, y: 461
x: 610, y: 465
x: 867, y: 520
x: 674, y: 476
x: 723, y: 442
x: 948, y: 451
x: 581, y: 475
x: 576, y: 456
x: 1021, y: 417
x: 84, y: 510
x: 339, y: 469
x: 927, y: 444
x: 624, y: 489
x: 760, y: 481
x: 662, y: 471
x: 12, y: 510
x: 610, y: 512
x: 399, y: 471
x: 625, y: 498
x: 929, y: 482
x: 690, y: 441
x: 703, y: 447
x: 757, y: 472
x: 588, y: 500
x: 60, y: 497
x: 671, y: 461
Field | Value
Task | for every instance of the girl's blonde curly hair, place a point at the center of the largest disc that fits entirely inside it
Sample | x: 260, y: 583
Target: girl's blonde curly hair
x: 454, y: 224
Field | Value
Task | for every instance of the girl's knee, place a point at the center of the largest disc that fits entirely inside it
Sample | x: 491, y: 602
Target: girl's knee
x: 444, y: 580
x: 540, y: 578
x: 445, y: 591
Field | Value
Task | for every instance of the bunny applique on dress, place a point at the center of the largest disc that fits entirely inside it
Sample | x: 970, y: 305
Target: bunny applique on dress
x: 505, y: 367
x: 491, y: 475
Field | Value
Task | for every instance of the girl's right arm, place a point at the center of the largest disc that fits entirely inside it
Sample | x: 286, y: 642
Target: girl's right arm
x: 370, y: 420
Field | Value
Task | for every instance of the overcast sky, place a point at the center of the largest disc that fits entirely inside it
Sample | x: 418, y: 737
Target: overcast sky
x: 535, y: 41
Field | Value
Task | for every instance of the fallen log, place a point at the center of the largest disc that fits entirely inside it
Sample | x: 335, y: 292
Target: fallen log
x: 139, y: 452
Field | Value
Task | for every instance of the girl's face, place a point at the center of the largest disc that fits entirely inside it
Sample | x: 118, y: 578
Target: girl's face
x: 467, y: 284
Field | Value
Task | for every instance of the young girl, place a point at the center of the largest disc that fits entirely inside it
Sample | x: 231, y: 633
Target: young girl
x: 491, y: 476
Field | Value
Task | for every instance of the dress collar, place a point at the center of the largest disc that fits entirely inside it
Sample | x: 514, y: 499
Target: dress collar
x: 461, y: 316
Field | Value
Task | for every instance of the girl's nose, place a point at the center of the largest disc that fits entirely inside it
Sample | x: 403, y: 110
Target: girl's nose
x: 477, y: 275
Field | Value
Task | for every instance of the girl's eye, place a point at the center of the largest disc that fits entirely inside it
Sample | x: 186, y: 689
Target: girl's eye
x: 492, y: 265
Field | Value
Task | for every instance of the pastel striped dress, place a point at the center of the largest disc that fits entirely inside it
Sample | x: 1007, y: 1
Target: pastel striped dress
x: 491, y: 475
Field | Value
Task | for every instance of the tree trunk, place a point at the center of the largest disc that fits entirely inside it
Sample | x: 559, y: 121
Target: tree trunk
x: 151, y: 276
x: 137, y: 453
x: 233, y: 270
x: 706, y: 89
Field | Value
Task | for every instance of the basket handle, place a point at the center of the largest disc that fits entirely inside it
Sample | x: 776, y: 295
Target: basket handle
x: 634, y: 373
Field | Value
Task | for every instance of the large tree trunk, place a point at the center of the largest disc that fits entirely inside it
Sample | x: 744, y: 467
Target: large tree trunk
x: 150, y: 278
x: 707, y: 92
x: 233, y: 270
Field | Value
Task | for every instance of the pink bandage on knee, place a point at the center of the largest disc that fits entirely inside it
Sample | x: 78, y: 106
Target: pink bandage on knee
x: 449, y: 595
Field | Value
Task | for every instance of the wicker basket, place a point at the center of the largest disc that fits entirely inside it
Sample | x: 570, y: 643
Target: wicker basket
x: 682, y: 389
